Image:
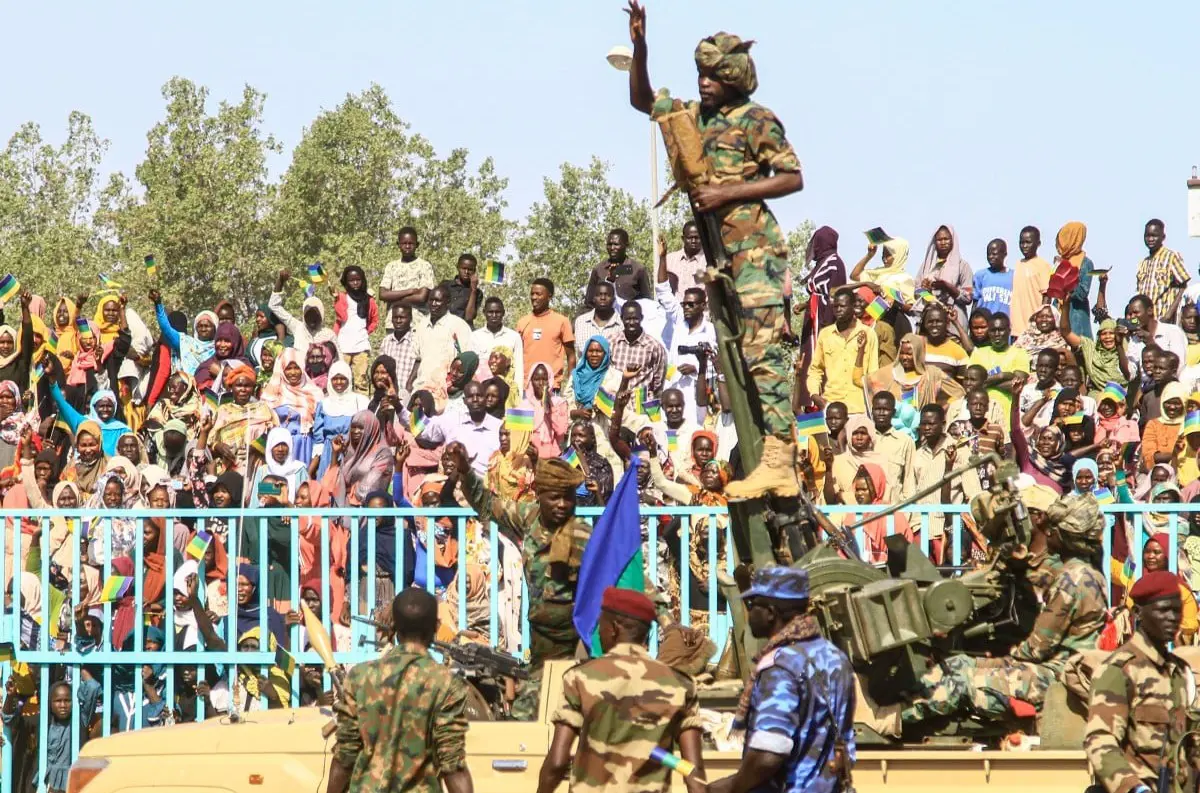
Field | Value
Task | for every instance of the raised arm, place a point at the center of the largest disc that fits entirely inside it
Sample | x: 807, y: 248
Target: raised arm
x: 641, y: 94
x: 857, y: 272
x: 1064, y: 326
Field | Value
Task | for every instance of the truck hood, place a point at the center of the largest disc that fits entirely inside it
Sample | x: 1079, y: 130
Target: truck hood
x: 259, y: 732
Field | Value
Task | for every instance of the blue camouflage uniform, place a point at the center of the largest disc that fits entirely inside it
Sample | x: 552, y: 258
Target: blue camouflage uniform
x: 802, y: 699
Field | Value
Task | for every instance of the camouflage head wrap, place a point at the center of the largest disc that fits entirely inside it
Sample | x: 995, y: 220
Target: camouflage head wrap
x: 556, y: 475
x: 727, y: 57
x: 1077, y: 522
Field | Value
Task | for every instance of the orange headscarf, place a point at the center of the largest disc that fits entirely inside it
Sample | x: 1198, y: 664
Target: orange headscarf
x: 1070, y: 243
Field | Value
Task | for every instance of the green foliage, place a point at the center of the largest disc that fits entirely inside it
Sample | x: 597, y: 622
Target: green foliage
x: 202, y: 201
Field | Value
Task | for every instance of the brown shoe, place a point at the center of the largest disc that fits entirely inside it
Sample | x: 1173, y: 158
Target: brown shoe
x: 776, y: 473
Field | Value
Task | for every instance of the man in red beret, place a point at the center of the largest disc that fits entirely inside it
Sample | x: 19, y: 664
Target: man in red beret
x: 622, y: 706
x: 1141, y: 694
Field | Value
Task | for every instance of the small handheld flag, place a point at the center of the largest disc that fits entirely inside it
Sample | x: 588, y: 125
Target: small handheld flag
x: 316, y: 273
x: 877, y: 236
x: 417, y: 421
x: 671, y: 761
x: 519, y: 419
x: 653, y: 409
x: 1191, y: 422
x: 604, y: 402
x: 259, y: 445
x: 672, y: 372
x: 922, y: 293
x: 493, y: 272
x: 638, y: 398
x: 571, y: 457
x: 9, y: 287
x: 84, y: 328
x: 672, y: 440
x: 37, y: 373
x: 151, y: 266
x: 199, y: 545
x: 892, y: 294
x: 52, y: 342
x: 109, y: 283
x: 809, y: 424
x: 909, y: 396
x: 1104, y: 496
x: 1076, y: 419
x: 115, y: 588
x: 1115, y: 392
x: 877, y: 308
x: 284, y: 662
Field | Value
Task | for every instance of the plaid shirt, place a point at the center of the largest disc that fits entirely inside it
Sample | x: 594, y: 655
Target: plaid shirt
x: 404, y: 353
x: 646, y: 353
x: 1162, y: 277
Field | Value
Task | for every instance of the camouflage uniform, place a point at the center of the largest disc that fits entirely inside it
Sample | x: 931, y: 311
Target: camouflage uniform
x: 401, y: 722
x: 746, y: 142
x: 624, y: 704
x: 1069, y: 623
x: 1043, y: 569
x: 1138, y: 708
x: 551, y: 584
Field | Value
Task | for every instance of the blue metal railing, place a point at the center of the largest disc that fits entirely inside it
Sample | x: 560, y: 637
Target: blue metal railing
x: 51, y: 653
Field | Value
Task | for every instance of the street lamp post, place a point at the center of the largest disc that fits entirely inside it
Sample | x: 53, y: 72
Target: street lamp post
x: 621, y: 59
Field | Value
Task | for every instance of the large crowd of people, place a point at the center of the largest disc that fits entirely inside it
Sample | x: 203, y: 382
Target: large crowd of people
x: 360, y: 390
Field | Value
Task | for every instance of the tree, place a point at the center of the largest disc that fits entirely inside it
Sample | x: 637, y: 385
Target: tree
x: 358, y: 175
x: 563, y: 237
x: 202, y: 199
x: 47, y: 198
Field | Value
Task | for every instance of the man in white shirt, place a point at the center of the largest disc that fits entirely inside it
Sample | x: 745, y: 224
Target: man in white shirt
x: 493, y: 334
x: 687, y: 327
x: 677, y: 420
x: 440, y: 341
x: 1148, y: 328
x: 598, y: 321
x: 686, y: 264
x: 473, y: 427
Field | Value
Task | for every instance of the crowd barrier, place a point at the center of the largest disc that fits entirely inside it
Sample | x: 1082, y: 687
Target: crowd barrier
x: 46, y: 655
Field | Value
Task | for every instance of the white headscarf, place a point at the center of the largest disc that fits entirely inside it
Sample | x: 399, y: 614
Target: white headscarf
x: 184, y: 618
x: 346, y: 403
x: 287, y: 470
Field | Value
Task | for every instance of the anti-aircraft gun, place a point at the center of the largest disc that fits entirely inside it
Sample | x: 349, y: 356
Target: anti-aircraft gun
x: 896, y: 623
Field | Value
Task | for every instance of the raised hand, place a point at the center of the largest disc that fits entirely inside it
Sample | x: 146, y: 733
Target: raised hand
x: 637, y: 22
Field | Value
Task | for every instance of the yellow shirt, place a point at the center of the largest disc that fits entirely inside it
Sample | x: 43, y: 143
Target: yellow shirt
x: 1007, y: 362
x: 833, y: 374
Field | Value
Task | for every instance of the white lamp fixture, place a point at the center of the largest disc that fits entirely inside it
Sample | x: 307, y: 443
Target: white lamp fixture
x: 620, y: 58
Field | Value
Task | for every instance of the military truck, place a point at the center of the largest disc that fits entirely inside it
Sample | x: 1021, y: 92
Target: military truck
x: 283, y: 751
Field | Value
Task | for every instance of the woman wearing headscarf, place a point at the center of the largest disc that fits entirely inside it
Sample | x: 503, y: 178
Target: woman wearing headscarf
x: 294, y: 400
x: 362, y: 462
x: 510, y: 469
x: 63, y: 322
x: 90, y: 459
x: 598, y: 471
x: 312, y: 494
x: 194, y: 349
x: 589, y: 375
x: 13, y: 422
x: 240, y: 421
x: 267, y: 327
x: 102, y: 409
x: 1071, y: 282
x: 893, y: 274
x: 229, y: 348
x: 1042, y: 333
x: 946, y: 274
x: 870, y: 489
x: 1155, y: 557
x: 909, y: 372
x: 333, y: 415
x: 249, y: 610
x: 318, y: 359
x: 17, y: 347
x: 462, y: 371
x: 827, y: 275
x: 1104, y: 360
x: 550, y: 418
x: 1047, y: 460
x: 501, y: 366
x: 1161, y: 434
x: 268, y: 354
x: 859, y: 451
x: 216, y: 577
x: 293, y: 472
x: 180, y: 408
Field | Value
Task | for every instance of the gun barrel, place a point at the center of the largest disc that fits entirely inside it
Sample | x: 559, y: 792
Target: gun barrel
x: 974, y: 462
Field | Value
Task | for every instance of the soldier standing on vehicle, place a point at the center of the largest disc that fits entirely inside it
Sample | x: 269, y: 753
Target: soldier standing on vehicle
x: 401, y: 722
x: 622, y: 705
x: 798, y: 706
x: 551, y: 540
x: 1070, y: 622
x: 1141, y: 695
x: 752, y: 161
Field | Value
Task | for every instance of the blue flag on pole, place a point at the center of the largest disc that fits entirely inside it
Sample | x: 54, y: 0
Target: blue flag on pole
x: 613, y: 556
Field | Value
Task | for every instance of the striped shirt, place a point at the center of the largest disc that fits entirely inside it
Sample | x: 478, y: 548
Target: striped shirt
x: 648, y: 354
x: 948, y: 356
x: 1162, y: 277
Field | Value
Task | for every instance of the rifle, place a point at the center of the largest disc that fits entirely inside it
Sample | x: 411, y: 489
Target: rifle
x: 481, y: 659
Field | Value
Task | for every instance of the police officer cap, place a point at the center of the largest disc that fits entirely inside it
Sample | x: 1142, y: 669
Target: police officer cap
x: 628, y: 603
x: 782, y: 583
x: 1152, y: 586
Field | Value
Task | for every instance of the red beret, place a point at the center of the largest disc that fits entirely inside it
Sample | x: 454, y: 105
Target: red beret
x: 1152, y: 586
x: 628, y: 603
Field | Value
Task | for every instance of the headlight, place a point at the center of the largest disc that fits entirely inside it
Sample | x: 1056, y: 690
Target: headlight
x: 84, y: 770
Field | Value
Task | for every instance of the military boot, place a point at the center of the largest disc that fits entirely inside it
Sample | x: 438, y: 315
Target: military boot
x: 883, y: 719
x: 776, y: 473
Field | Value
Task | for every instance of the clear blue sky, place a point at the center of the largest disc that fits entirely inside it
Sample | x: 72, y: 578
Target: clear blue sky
x: 907, y: 115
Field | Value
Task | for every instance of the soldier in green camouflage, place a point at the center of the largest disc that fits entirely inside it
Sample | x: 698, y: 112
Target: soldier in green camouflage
x: 1070, y: 622
x: 551, y: 540
x: 1141, y: 696
x: 1041, y: 565
x: 752, y: 161
x: 622, y: 706
x: 401, y: 721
